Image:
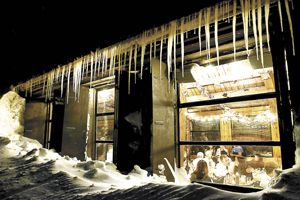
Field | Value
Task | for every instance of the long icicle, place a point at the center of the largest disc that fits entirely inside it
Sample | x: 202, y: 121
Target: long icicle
x: 134, y: 59
x: 160, y: 57
x: 119, y: 68
x: 254, y: 26
x: 169, y: 55
x: 62, y: 81
x: 143, y: 49
x: 92, y: 69
x: 182, y: 51
x: 267, y: 14
x: 280, y: 15
x: 287, y: 8
x: 234, y: 28
x: 207, y: 31
x: 245, y: 16
x: 199, y: 31
x: 174, y: 56
x: 68, y: 82
x: 154, y: 53
x: 259, y: 16
x: 129, y: 68
x: 150, y: 57
x: 216, y: 31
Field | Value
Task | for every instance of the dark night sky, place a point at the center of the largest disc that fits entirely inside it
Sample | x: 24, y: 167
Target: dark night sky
x: 39, y: 35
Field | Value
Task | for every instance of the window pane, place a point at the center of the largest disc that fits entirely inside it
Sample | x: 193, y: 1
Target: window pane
x: 105, y: 128
x: 252, y: 166
x: 106, y: 100
x: 104, y: 152
x: 239, y: 121
x: 234, y: 79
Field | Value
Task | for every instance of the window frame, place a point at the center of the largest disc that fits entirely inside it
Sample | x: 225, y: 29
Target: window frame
x: 260, y: 96
x: 109, y: 142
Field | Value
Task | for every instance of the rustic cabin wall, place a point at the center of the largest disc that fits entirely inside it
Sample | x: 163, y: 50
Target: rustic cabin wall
x: 34, y: 120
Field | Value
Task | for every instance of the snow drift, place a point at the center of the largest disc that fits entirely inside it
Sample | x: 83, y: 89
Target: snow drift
x: 29, y: 171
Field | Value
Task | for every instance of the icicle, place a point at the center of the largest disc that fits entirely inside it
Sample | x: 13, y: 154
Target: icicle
x: 30, y: 87
x: 207, y: 31
x: 223, y: 10
x: 182, y: 52
x: 150, y: 56
x: 99, y: 63
x: 77, y: 78
x: 228, y: 10
x: 254, y: 26
x: 112, y: 57
x: 160, y: 57
x: 259, y: 14
x: 68, y: 82
x: 44, y: 84
x: 142, y: 58
x: 174, y: 55
x: 234, y: 28
x: 199, y: 31
x: 62, y: 80
x: 119, y: 68
x: 57, y: 74
x: 216, y: 32
x: 292, y: 2
x: 287, y: 8
x: 129, y: 68
x: 154, y: 49
x: 171, y: 34
x: 92, y: 69
x: 280, y: 15
x: 267, y: 13
x: 134, y: 59
x: 95, y: 65
x: 245, y: 15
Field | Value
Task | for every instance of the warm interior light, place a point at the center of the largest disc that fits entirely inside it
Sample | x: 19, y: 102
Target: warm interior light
x: 218, y: 74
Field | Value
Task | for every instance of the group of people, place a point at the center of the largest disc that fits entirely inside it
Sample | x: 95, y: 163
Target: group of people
x: 217, y: 165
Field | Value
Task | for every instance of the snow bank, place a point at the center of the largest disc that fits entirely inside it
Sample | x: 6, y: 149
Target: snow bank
x: 103, y: 176
x: 12, y: 108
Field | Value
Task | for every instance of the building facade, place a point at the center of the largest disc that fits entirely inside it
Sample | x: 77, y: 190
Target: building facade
x: 217, y: 86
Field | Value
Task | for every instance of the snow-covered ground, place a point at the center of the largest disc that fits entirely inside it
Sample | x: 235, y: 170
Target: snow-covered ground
x: 28, y: 171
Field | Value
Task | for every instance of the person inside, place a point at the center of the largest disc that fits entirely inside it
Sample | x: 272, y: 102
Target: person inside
x: 201, y: 172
